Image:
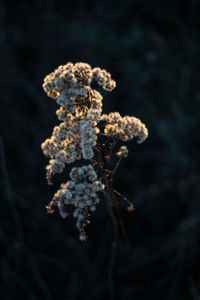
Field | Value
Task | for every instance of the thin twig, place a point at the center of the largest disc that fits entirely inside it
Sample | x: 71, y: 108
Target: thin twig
x: 113, y: 247
x: 109, y: 186
x: 123, y: 197
x: 107, y: 141
x: 112, y: 147
x: 128, y: 244
x: 114, y: 243
x: 117, y: 165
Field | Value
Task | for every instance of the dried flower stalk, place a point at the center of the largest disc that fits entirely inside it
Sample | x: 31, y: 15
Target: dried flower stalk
x: 84, y: 133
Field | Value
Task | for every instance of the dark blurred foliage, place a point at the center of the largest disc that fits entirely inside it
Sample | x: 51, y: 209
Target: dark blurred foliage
x: 151, y: 49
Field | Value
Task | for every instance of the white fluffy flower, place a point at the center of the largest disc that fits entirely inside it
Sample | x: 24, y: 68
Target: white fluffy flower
x: 76, y: 136
x: 125, y: 128
x: 80, y: 191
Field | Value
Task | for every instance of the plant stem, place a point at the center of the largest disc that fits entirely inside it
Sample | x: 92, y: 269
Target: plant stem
x: 108, y: 176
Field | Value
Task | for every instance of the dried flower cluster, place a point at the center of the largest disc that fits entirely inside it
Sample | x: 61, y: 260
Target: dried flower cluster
x: 80, y: 191
x: 78, y: 135
x: 123, y: 152
x: 125, y: 128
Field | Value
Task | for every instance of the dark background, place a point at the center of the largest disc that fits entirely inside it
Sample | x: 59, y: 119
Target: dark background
x: 151, y: 49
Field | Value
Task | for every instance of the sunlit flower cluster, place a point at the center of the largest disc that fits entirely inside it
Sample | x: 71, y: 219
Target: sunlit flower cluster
x: 80, y: 110
x: 124, y: 128
x: 103, y: 78
x: 123, y: 152
x: 70, y: 141
x: 76, y: 136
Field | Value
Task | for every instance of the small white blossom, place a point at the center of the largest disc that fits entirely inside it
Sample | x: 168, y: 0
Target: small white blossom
x: 123, y: 152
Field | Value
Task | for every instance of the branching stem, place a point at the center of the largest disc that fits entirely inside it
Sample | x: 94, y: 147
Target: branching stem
x: 108, y: 177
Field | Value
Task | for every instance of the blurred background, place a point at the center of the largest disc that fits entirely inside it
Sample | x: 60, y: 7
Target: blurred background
x: 151, y: 49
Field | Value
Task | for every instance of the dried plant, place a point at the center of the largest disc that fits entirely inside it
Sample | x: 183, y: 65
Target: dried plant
x: 85, y: 133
